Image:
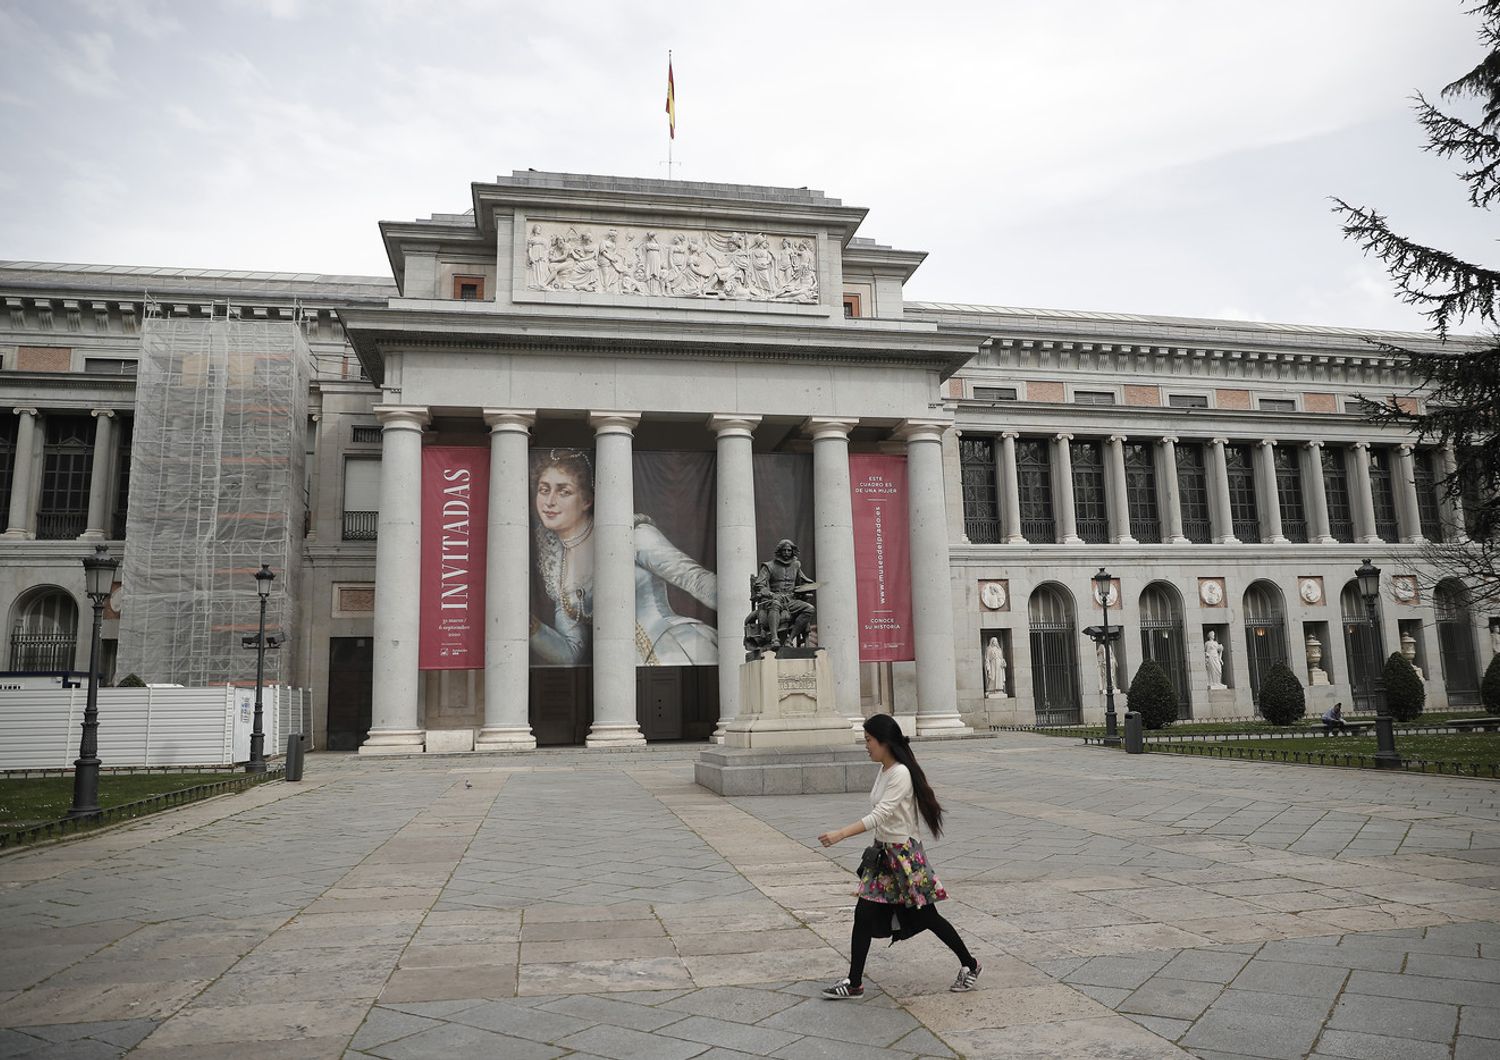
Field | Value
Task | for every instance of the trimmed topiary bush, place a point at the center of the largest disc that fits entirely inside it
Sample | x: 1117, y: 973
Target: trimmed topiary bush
x: 1282, y: 700
x: 1152, y: 695
x: 130, y: 681
x: 1405, y: 695
x: 1489, y: 688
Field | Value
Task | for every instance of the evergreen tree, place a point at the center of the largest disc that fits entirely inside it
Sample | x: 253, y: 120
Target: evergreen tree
x: 1152, y: 694
x: 1489, y: 688
x: 1282, y: 698
x: 1405, y: 694
x: 1461, y: 377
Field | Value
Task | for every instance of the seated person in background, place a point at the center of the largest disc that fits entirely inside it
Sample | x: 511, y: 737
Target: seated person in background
x: 1333, y: 718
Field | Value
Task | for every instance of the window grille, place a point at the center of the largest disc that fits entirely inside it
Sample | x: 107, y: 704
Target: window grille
x: 1364, y: 652
x: 1188, y: 401
x: 361, y: 498
x: 1289, y: 494
x: 1429, y: 506
x: 995, y: 393
x: 110, y: 366
x: 1242, y: 511
x: 7, y: 461
x: 1140, y: 491
x: 1192, y: 490
x: 1278, y: 404
x: 1455, y: 629
x: 1383, y: 495
x: 122, y: 477
x: 1336, y: 491
x: 1054, y: 658
x: 67, y: 463
x: 1089, y: 503
x: 1265, y: 634
x: 1162, y: 640
x: 976, y: 458
x: 45, y: 634
x: 365, y: 434
x: 1034, y: 483
x: 1093, y: 397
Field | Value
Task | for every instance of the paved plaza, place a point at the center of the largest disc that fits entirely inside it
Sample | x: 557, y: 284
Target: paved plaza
x: 588, y: 904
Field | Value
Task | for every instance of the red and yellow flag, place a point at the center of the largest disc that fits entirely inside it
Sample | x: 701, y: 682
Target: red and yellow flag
x: 671, y: 103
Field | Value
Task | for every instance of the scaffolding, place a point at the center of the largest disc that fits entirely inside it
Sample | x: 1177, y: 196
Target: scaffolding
x: 216, y: 490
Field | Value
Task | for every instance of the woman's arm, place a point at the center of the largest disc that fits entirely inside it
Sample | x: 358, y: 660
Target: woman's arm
x: 830, y: 838
x: 566, y: 644
x: 659, y: 556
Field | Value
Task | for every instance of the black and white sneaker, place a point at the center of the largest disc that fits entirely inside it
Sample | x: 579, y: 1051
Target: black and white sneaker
x: 967, y: 978
x: 843, y: 990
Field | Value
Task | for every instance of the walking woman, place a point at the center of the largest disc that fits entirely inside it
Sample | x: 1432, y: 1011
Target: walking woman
x: 898, y: 890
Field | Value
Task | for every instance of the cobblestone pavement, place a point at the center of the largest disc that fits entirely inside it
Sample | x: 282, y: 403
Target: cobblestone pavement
x: 593, y: 904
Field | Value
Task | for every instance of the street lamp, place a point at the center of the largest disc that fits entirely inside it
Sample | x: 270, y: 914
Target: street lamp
x: 99, y: 580
x: 1386, y: 757
x: 1102, y: 585
x: 260, y: 642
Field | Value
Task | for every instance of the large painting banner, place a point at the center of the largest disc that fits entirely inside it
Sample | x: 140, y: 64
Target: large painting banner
x: 882, y: 556
x: 455, y: 517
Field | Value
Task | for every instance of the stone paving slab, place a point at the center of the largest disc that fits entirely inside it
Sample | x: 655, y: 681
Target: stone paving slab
x: 1123, y: 907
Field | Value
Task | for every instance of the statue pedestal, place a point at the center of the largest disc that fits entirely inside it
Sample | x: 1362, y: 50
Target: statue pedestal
x: 1317, y: 677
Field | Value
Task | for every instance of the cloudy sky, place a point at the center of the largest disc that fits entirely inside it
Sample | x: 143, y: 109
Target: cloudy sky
x: 1149, y: 156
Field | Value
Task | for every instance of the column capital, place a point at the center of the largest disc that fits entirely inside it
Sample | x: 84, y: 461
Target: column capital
x: 829, y: 427
x: 922, y: 430
x: 1267, y: 443
x: 1063, y: 436
x: 103, y: 413
x: 25, y: 411
x: 1407, y: 448
x: 729, y: 425
x: 1169, y: 439
x: 402, y: 417
x: 1218, y: 441
x: 1012, y: 435
x: 1362, y: 445
x: 503, y: 420
x: 1316, y: 443
x: 614, y: 422
x: 1119, y: 439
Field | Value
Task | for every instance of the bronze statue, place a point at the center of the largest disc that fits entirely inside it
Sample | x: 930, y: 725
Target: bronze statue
x: 780, y: 614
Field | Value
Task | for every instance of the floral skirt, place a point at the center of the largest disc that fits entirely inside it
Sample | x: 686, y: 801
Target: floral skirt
x: 902, y: 877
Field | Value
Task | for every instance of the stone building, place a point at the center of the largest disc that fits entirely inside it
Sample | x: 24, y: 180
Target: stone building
x: 689, y: 372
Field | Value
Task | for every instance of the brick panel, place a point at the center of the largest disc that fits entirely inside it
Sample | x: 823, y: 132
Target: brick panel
x: 356, y: 599
x: 44, y: 358
x: 1136, y: 394
x: 1044, y: 391
x: 955, y: 388
x: 1406, y: 404
x: 1320, y: 402
x: 1232, y: 399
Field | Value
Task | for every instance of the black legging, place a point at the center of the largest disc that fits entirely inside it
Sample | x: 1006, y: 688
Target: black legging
x: 869, y: 916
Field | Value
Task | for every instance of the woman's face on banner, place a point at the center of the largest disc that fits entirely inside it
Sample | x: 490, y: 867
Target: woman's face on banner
x: 560, y: 504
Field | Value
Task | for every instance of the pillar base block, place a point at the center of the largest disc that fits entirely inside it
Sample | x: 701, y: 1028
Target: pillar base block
x: 605, y: 734
x: 1372, y: 539
x: 394, y: 742
x: 1016, y: 539
x: 505, y: 738
x: 1072, y: 539
x: 1126, y: 540
x: 945, y: 724
x: 1278, y: 540
x: 1326, y: 539
x: 1230, y: 540
x: 18, y: 535
x: 1180, y: 541
x: 93, y: 535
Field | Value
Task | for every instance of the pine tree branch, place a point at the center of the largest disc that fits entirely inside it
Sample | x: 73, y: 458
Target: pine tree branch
x: 1483, y: 82
x: 1450, y: 137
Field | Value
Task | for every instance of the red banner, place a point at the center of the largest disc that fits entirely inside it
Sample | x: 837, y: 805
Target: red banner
x: 455, y: 519
x: 882, y: 556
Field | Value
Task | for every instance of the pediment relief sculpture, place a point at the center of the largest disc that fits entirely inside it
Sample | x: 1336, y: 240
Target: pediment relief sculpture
x: 671, y: 263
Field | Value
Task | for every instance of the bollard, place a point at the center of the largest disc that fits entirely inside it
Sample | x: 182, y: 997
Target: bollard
x: 1135, y: 743
x: 296, y: 747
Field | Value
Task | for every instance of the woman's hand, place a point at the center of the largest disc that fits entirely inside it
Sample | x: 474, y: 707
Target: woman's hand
x: 830, y: 838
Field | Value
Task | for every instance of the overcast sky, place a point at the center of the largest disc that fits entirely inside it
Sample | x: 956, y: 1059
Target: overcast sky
x: 1146, y: 156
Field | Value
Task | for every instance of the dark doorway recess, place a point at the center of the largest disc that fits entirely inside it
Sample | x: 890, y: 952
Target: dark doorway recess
x: 562, y: 704
x: 350, y: 661
x: 677, y: 702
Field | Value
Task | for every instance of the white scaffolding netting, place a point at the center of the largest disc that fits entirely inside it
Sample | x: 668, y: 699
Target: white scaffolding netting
x: 216, y: 489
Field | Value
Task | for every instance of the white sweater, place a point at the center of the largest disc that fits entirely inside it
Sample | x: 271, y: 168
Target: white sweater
x: 894, y: 817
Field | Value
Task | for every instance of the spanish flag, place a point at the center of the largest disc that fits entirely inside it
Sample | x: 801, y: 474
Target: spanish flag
x: 671, y: 103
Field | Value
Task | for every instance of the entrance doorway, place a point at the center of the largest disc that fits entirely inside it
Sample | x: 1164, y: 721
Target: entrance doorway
x: 677, y: 702
x: 562, y: 704
x: 350, y: 661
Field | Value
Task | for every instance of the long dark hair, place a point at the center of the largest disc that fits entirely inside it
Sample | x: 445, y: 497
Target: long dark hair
x: 887, y: 730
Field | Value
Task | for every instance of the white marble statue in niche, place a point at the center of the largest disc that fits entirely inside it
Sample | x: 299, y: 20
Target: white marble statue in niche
x: 1213, y: 660
x: 994, y: 669
x: 734, y: 266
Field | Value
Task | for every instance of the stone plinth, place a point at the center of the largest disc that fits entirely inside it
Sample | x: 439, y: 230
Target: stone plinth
x: 730, y: 771
x: 787, y: 701
x: 449, y: 741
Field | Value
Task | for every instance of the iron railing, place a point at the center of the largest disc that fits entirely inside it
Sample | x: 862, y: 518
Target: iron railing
x: 60, y: 526
x: 360, y: 526
x: 42, y: 651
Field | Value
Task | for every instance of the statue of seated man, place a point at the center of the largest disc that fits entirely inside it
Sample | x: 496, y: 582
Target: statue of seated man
x: 781, y: 614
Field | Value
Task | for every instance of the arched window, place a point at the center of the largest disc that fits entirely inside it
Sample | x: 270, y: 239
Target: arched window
x: 44, y: 632
x: 1162, y: 639
x: 1054, y: 656
x: 1455, y: 627
x: 1364, y: 652
x: 1265, y: 632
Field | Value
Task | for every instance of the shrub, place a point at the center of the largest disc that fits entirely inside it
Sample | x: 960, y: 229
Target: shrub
x: 1282, y: 701
x: 1152, y: 695
x: 1489, y: 688
x: 1405, y: 695
x: 130, y: 681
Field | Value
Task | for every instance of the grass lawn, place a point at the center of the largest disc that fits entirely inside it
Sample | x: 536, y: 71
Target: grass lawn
x: 39, y: 799
x: 1311, y: 724
x: 1481, y: 748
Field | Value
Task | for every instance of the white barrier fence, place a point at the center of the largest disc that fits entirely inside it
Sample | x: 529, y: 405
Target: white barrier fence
x: 40, y: 729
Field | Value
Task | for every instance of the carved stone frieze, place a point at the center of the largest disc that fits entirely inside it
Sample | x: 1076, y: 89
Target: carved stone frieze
x: 672, y: 263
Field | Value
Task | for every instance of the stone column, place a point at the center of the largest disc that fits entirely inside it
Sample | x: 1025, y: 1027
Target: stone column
x: 615, y: 721
x: 398, y: 583
x: 833, y: 535
x: 1408, y: 509
x: 1270, y: 497
x: 1221, y: 510
x: 1119, y: 496
x: 1062, y: 490
x: 1175, y: 535
x: 98, y: 528
x: 22, y: 522
x: 735, y: 531
x: 507, y: 603
x: 1364, y: 496
x: 931, y: 581
x: 1316, y: 495
x: 1010, y: 500
x: 1453, y: 505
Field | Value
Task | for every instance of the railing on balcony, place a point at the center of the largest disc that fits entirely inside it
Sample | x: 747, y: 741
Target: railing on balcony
x: 42, y: 651
x: 60, y: 526
x: 360, y: 526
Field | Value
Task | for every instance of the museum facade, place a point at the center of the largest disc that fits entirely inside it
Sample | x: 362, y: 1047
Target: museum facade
x: 519, y: 494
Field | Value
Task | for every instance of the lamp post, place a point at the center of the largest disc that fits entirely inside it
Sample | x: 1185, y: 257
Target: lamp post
x: 263, y: 579
x: 1102, y: 584
x: 99, y: 579
x: 1386, y: 757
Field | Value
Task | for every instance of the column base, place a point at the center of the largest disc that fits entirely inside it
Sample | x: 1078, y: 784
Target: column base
x: 1279, y: 540
x: 1417, y: 540
x: 14, y: 534
x: 1126, y: 540
x: 1326, y: 539
x: 394, y: 742
x: 605, y: 734
x: 505, y: 738
x: 942, y: 725
x: 1072, y: 539
x: 1016, y: 539
x: 1372, y: 539
x: 1230, y: 540
x: 1179, y: 541
x: 93, y: 535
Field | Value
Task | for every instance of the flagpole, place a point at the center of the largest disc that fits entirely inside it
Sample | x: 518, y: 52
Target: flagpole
x: 671, y: 128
